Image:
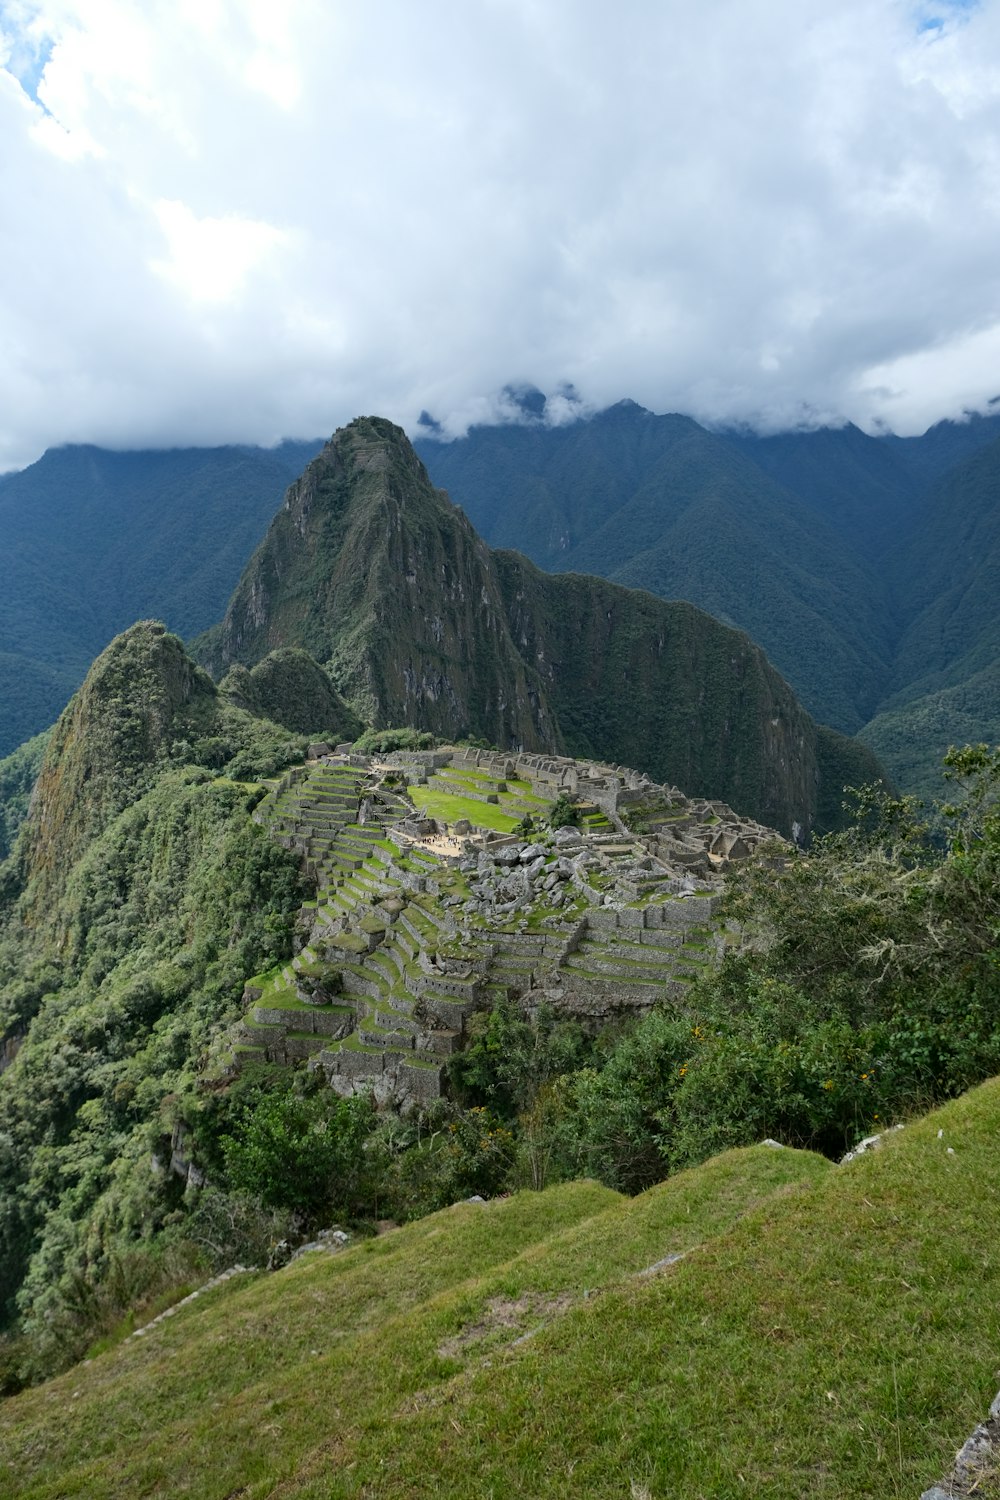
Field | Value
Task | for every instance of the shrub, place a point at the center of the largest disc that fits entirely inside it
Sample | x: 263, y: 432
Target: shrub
x: 564, y: 813
x: 452, y: 1154
x: 385, y: 741
x: 303, y: 1151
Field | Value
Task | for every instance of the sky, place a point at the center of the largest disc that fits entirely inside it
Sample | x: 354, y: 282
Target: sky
x: 233, y: 221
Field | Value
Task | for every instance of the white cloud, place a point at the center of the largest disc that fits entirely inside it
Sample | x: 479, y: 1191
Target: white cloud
x: 225, y: 219
x: 211, y: 260
x: 907, y: 390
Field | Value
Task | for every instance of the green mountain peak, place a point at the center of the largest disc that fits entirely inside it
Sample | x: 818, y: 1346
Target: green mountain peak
x: 375, y: 573
x: 109, y: 737
x: 290, y: 687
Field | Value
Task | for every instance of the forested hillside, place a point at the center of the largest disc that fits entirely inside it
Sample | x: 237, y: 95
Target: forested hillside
x: 138, y: 896
x: 864, y: 566
x: 659, y: 503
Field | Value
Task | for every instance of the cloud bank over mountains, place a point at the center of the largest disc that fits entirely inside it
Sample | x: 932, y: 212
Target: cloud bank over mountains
x: 234, y: 221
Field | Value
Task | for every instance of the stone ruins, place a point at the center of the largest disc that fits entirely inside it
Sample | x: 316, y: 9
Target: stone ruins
x: 442, y: 886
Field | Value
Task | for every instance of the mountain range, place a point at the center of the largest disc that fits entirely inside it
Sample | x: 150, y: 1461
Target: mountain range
x: 864, y: 566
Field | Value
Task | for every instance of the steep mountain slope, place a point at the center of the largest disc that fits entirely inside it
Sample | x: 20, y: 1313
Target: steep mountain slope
x: 18, y: 774
x: 290, y: 687
x: 912, y: 739
x: 946, y: 444
x: 138, y: 897
x: 144, y: 708
x: 864, y: 566
x: 864, y: 488
x: 119, y: 725
x: 633, y: 678
x: 659, y: 503
x: 571, y: 1343
x: 545, y: 490
x: 369, y: 569
x: 947, y: 578
x: 811, y: 610
x: 93, y: 540
x: 375, y: 573
x: 947, y: 663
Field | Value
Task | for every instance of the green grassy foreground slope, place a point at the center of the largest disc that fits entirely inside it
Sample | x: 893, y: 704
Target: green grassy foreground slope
x: 828, y: 1331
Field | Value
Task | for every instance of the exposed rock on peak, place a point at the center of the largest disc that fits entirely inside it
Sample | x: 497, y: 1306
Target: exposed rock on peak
x: 373, y: 571
x: 377, y: 575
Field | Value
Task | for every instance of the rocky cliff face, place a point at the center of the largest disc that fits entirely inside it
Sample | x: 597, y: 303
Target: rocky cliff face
x: 373, y: 571
x: 663, y: 685
x: 376, y: 574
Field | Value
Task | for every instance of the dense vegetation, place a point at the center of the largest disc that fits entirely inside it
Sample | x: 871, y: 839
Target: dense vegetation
x: 912, y: 733
x: 656, y: 502
x: 865, y: 989
x: 290, y: 688
x: 168, y: 911
x: 865, y: 567
x: 138, y: 896
x: 18, y: 773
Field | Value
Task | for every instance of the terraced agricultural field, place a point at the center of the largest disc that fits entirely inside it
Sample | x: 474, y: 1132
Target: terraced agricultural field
x: 410, y: 933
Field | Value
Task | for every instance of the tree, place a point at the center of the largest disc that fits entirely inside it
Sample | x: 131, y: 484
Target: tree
x: 303, y: 1151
